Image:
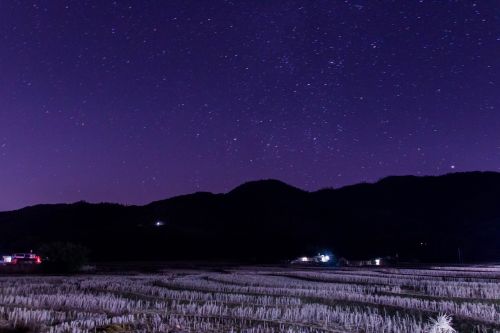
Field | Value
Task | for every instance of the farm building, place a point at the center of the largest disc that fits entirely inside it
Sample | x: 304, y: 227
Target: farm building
x: 379, y: 261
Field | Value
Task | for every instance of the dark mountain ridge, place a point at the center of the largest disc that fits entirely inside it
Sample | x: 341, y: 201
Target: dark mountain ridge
x: 418, y: 218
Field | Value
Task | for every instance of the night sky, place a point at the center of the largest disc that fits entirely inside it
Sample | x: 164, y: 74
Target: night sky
x: 134, y: 101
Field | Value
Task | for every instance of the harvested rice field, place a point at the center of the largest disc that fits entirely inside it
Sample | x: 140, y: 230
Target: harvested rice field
x: 256, y: 300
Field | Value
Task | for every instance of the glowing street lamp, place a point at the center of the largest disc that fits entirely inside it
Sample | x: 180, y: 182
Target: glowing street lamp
x: 324, y: 258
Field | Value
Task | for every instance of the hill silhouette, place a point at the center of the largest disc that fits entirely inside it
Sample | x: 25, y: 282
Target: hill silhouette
x: 418, y: 218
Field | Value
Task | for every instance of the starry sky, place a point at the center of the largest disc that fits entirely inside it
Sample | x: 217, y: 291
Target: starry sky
x: 134, y: 101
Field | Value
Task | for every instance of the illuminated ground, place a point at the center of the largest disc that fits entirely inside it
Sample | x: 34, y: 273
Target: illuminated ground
x: 301, y: 299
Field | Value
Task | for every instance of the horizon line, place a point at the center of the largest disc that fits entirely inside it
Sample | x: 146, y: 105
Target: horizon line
x: 246, y: 182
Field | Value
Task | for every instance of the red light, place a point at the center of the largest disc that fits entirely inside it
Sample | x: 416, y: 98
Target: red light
x: 38, y: 260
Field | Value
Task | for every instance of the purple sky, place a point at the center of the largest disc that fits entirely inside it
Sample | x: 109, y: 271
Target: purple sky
x: 134, y: 101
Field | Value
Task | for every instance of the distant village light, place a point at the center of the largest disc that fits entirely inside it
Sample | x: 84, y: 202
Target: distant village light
x: 317, y: 259
x: 7, y: 259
